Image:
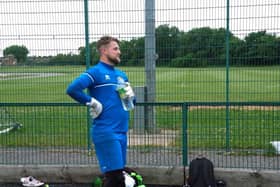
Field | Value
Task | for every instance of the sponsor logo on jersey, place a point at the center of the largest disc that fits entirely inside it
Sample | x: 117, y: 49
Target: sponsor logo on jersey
x: 107, y: 77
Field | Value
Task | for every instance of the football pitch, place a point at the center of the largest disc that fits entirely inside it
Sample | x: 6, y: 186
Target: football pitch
x: 49, y: 114
x: 245, y: 84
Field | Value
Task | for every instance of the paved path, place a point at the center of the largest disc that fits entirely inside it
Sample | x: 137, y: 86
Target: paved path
x: 146, y: 156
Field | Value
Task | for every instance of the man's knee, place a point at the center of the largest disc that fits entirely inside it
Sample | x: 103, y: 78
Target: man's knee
x: 114, y: 179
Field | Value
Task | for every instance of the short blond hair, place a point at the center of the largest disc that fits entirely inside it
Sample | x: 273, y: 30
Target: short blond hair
x: 105, y: 40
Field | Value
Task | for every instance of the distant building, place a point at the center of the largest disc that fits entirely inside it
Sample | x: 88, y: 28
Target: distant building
x: 8, y: 60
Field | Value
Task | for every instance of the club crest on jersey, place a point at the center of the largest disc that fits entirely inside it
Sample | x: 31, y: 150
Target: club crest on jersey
x: 107, y: 77
x: 120, y: 80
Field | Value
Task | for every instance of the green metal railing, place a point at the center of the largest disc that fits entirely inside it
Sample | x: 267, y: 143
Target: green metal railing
x: 215, y: 89
x: 182, y: 131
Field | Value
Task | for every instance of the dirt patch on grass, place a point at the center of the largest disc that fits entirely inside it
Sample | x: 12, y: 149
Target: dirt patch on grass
x: 223, y: 107
x: 246, y: 107
x: 13, y: 76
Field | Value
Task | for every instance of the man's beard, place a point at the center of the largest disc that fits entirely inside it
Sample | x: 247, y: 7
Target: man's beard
x: 115, y: 61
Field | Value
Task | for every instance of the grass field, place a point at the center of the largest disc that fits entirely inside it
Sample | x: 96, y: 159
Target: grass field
x: 46, y: 125
x: 254, y: 84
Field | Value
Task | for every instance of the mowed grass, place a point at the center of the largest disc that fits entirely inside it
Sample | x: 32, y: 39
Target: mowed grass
x: 246, y: 84
x: 46, y: 125
x: 207, y: 127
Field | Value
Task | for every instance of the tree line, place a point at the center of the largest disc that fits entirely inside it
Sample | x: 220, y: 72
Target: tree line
x: 199, y: 47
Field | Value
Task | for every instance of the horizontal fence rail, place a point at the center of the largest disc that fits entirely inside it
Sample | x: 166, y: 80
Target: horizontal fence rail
x: 57, y: 133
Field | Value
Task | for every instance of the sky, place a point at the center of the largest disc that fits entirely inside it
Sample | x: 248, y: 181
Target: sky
x: 49, y: 27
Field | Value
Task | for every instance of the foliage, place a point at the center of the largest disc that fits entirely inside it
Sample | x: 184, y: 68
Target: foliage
x: 93, y: 54
x: 133, y: 52
x: 261, y: 48
x: 204, y: 46
x: 199, y: 47
x: 167, y: 43
x: 19, y: 52
x: 62, y: 59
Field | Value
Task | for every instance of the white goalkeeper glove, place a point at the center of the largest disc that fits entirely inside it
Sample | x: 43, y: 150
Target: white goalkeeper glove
x: 126, y: 91
x: 129, y: 91
x: 95, y: 108
x: 128, y: 180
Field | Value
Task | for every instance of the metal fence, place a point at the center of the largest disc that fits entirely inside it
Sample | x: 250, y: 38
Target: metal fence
x: 211, y: 70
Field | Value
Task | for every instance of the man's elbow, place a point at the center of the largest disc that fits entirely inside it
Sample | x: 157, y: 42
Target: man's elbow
x: 70, y: 90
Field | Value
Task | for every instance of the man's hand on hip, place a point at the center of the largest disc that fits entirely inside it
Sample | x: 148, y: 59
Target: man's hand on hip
x: 95, y: 108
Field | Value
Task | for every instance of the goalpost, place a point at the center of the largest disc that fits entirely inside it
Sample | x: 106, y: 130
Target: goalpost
x: 7, y: 122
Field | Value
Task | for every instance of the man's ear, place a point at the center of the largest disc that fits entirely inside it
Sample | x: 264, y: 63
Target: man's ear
x: 103, y: 50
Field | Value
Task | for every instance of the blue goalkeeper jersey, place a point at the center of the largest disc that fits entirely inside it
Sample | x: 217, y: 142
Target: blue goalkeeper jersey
x: 101, y: 81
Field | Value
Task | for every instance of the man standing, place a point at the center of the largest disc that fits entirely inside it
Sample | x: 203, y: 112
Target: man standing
x: 110, y: 118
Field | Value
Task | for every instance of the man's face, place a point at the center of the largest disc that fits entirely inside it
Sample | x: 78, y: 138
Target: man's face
x: 112, y: 52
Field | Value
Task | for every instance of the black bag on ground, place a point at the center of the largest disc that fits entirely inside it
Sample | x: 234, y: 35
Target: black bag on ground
x: 221, y: 183
x: 201, y: 173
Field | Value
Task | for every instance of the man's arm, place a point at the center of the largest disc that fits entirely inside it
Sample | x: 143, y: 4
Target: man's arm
x: 76, y: 89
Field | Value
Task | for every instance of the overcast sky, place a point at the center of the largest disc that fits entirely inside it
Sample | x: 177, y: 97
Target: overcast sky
x: 49, y: 27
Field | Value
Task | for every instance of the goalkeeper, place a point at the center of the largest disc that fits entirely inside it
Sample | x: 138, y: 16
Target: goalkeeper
x: 110, y: 120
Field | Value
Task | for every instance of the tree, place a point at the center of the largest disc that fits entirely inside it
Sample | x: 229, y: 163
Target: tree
x: 94, y: 56
x: 132, y: 52
x: 205, y: 45
x: 167, y: 42
x: 63, y: 59
x: 237, y: 51
x: 19, y: 52
x: 261, y: 48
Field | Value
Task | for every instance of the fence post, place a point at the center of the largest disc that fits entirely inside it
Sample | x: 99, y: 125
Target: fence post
x: 227, y: 79
x: 185, y: 133
x: 139, y: 111
x: 87, y: 63
x: 185, y: 139
x: 150, y: 63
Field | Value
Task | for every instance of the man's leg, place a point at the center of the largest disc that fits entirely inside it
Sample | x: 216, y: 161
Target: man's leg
x: 110, y: 158
x: 123, y: 142
x: 109, y: 155
x: 114, y: 179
